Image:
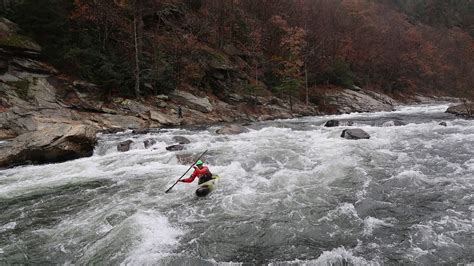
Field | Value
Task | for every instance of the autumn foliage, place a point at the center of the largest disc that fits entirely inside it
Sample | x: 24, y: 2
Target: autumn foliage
x: 149, y: 46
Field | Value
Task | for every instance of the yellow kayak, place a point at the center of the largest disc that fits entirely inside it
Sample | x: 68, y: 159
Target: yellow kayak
x: 207, y: 187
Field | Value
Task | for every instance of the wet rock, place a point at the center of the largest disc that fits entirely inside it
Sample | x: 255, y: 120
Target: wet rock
x: 112, y: 130
x: 355, y: 133
x: 141, y: 131
x: 56, y: 143
x: 124, y: 146
x: 332, y: 123
x: 176, y: 147
x: 443, y: 124
x: 465, y: 109
x: 149, y: 142
x: 181, y: 140
x: 232, y: 129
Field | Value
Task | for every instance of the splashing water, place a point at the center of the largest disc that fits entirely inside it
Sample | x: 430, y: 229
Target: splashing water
x: 291, y: 192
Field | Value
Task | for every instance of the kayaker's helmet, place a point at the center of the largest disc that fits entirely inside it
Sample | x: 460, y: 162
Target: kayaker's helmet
x: 199, y: 162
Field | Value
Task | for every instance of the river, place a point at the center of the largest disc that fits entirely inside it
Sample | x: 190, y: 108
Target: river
x: 291, y: 192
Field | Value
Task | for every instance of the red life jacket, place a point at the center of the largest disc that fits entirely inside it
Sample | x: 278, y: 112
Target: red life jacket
x: 197, y: 173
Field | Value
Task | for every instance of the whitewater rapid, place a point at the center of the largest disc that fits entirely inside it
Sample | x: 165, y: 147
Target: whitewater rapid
x: 291, y: 192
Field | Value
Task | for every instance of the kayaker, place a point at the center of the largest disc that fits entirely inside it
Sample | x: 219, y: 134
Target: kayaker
x: 200, y: 171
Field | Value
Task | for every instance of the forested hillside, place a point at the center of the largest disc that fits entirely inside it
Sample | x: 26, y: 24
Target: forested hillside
x: 288, y: 48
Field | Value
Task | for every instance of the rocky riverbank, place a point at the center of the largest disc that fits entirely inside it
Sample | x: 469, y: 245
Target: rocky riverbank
x: 47, y: 117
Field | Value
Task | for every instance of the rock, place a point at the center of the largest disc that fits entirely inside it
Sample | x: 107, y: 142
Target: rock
x: 149, y: 142
x: 181, y: 140
x: 83, y: 85
x: 443, y: 124
x: 124, y: 145
x: 200, y: 104
x: 164, y: 119
x: 56, y: 143
x: 355, y: 88
x: 112, y: 130
x: 176, y: 147
x: 348, y: 101
x: 232, y: 129
x: 354, y: 133
x: 7, y: 133
x: 118, y: 121
x: 141, y: 131
x: 465, y: 109
x: 332, y: 123
x: 162, y: 97
x: 134, y: 106
x: 235, y: 97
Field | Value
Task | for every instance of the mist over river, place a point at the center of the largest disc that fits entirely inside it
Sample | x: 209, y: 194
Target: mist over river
x: 291, y: 192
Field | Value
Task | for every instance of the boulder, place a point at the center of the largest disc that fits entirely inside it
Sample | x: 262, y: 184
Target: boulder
x: 200, y: 104
x: 149, y: 142
x: 124, y: 145
x: 181, y: 140
x: 176, y: 147
x: 164, y: 119
x: 443, y: 124
x: 232, y: 129
x: 332, y: 123
x: 465, y: 109
x: 56, y: 143
x: 355, y: 133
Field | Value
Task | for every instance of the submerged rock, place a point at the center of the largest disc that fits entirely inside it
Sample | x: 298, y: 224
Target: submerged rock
x: 181, y: 140
x: 149, y: 142
x: 124, y: 146
x: 331, y: 123
x: 355, y: 133
x: 443, y: 124
x: 176, y: 147
x: 232, y: 129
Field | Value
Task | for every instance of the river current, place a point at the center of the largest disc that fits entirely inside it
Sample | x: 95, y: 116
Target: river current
x: 291, y: 192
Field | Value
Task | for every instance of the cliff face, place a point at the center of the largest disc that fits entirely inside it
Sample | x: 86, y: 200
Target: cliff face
x: 46, y: 116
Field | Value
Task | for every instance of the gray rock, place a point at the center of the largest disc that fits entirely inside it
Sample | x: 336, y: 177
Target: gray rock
x: 176, y: 147
x: 124, y: 145
x: 149, y: 142
x: 181, y: 140
x: 200, y: 104
x: 164, y: 119
x: 232, y: 129
x: 56, y: 143
x: 332, y: 123
x: 465, y: 109
x: 443, y: 124
x: 355, y: 133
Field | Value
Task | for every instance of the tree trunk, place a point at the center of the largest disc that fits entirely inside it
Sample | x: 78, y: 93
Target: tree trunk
x: 306, y: 83
x: 137, y: 36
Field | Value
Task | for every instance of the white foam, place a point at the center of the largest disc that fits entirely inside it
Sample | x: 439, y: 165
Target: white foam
x: 156, y: 238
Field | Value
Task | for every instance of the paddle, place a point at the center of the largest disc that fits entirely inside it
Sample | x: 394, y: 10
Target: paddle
x: 185, y: 172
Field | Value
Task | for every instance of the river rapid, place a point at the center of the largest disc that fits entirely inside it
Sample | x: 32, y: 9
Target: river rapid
x: 291, y: 192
